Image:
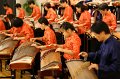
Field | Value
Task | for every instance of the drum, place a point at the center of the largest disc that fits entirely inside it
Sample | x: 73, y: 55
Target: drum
x: 50, y: 60
x: 79, y: 69
x: 56, y: 26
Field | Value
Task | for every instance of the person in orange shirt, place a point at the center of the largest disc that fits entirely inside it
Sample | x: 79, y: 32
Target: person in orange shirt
x: 49, y: 35
x: 71, y: 48
x: 84, y: 22
x: 21, y: 13
x: 68, y: 12
x: 35, y: 12
x: 108, y: 17
x: 20, y: 31
x: 8, y: 9
x: 51, y: 14
x: 2, y: 25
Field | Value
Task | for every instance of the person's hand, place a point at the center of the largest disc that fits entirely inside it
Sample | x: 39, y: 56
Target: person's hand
x: 32, y: 39
x: 83, y: 54
x: 15, y: 38
x: 93, y: 66
x: 35, y: 45
x: 59, y: 50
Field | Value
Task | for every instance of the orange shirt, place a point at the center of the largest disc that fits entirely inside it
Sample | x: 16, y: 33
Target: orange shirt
x: 51, y: 14
x: 110, y: 19
x: 2, y: 26
x: 9, y: 11
x: 68, y: 14
x: 49, y: 36
x: 25, y: 31
x: 85, y: 19
x: 72, y: 43
x: 21, y: 13
x: 36, y: 13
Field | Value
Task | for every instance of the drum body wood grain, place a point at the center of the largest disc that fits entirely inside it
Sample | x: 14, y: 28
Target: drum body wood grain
x: 79, y: 69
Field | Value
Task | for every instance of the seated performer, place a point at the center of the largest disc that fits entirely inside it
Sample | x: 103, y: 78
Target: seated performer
x: 84, y: 22
x: 20, y: 31
x: 68, y: 12
x: 49, y: 35
x: 21, y: 13
x: 71, y: 48
x: 108, y: 17
x: 8, y: 9
x: 107, y: 60
x: 35, y: 11
x: 51, y: 14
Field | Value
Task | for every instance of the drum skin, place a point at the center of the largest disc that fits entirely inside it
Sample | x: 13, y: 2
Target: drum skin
x: 79, y: 69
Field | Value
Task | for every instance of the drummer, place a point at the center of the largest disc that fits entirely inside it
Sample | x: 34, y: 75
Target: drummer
x: 107, y: 60
x: 36, y: 14
x: 49, y: 35
x: 108, y: 17
x: 68, y: 12
x: 51, y: 14
x: 84, y: 22
x: 20, y: 31
x: 21, y: 13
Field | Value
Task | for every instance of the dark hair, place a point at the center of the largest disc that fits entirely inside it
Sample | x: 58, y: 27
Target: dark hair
x: 63, y: 1
x: 67, y: 25
x: 103, y: 6
x: 80, y: 5
x: 100, y: 26
x: 31, y: 2
x: 17, y: 22
x: 43, y: 20
x: 6, y: 5
x: 48, y: 5
x: 18, y: 5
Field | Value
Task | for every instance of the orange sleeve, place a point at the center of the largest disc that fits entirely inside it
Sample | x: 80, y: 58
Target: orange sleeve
x: 21, y: 14
x: 113, y: 22
x: 49, y: 37
x: 36, y: 13
x: 68, y: 14
x: 48, y: 15
x: 2, y: 26
x: 27, y: 32
x: 76, y: 47
x: 9, y: 11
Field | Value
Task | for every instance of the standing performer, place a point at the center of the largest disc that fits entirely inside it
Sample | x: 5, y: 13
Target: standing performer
x: 21, y: 13
x: 107, y: 60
